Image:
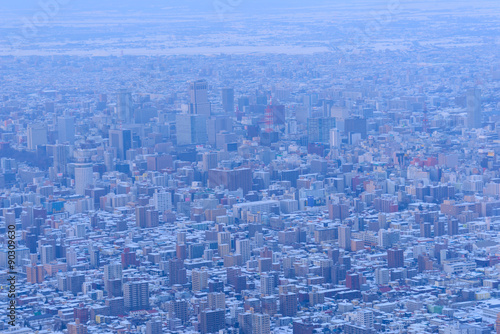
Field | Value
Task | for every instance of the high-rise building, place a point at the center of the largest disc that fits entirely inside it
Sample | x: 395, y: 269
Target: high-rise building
x: 365, y: 318
x: 124, y: 106
x: 177, y: 272
x: 228, y: 100
x: 191, y: 129
x: 425, y: 230
x: 66, y: 129
x: 318, y: 129
x: 212, y: 321
x: 382, y: 276
x: 199, y: 279
x: 112, y: 271
x: 61, y: 153
x: 231, y: 179
x: 140, y: 216
x: 395, y: 258
x: 154, y: 327
x: 353, y: 281
x: 116, y: 306
x: 288, y: 304
x: 216, y: 300
x: 82, y: 313
x: 335, y: 138
x: 474, y: 108
x: 47, y: 254
x: 261, y: 323
x: 345, y: 237
x: 198, y: 93
x: 84, y: 177
x: 209, y: 161
x: 136, y: 296
x: 439, y: 228
x: 37, y: 135
x: 453, y: 227
x: 266, y: 284
x: 122, y: 141
x: 77, y: 327
x: 178, y: 309
x: 162, y: 200
x: 243, y: 247
x: 355, y: 125
x: 34, y: 274
x: 71, y: 257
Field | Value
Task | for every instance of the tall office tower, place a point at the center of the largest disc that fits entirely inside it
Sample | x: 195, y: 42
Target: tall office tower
x: 84, y: 177
x: 124, y: 106
x: 122, y: 141
x: 288, y: 304
x: 191, y: 129
x: 37, y: 135
x: 353, y: 281
x: 212, y: 321
x: 318, y: 129
x: 95, y: 258
x: 71, y: 257
x: 152, y: 218
x: 231, y: 179
x: 335, y: 139
x: 245, y: 322
x: 355, y: 125
x: 439, y: 228
x: 34, y: 273
x: 177, y: 272
x: 216, y: 300
x: 453, y: 227
x: 75, y: 281
x: 66, y: 129
x: 345, y: 237
x: 112, y: 271
x: 178, y: 309
x: 199, y: 279
x: 61, y: 153
x: 209, y: 161
x: 365, y: 318
x: 243, y: 248
x: 10, y: 218
x: 474, y: 108
x: 224, y: 238
x: 266, y: 284
x: 382, y: 276
x: 154, y: 327
x: 136, y: 296
x: 261, y: 323
x: 181, y: 237
x: 228, y: 100
x: 140, y: 216
x: 115, y: 306
x: 162, y: 200
x: 47, y: 254
x: 395, y: 258
x: 425, y: 230
x: 198, y: 93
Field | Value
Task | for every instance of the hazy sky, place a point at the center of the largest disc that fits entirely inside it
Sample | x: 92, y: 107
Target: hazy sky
x: 204, y: 5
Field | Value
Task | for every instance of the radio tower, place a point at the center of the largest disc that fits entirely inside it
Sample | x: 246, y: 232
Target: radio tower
x: 425, y: 122
x: 269, y: 117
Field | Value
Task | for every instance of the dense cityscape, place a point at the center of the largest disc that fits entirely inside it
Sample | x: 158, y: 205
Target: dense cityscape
x: 335, y: 188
